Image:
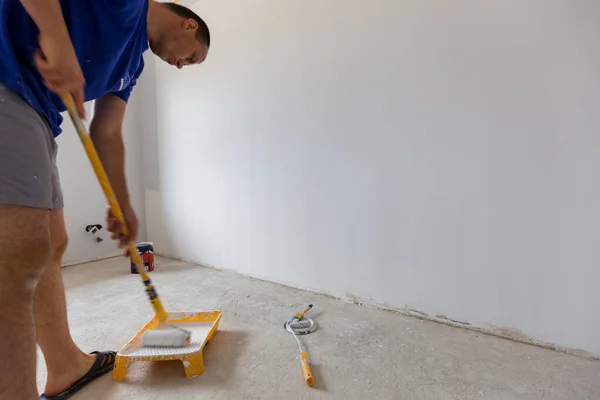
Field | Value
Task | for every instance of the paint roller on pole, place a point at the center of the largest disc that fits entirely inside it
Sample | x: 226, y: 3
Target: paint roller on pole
x: 175, y: 337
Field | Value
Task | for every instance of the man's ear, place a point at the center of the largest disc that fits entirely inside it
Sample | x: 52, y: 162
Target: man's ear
x: 190, y: 23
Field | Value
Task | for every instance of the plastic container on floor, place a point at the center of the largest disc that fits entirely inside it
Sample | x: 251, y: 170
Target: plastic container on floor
x: 146, y: 250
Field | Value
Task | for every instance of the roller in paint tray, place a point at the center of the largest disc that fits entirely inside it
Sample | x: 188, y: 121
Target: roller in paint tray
x: 168, y: 336
x: 164, y: 335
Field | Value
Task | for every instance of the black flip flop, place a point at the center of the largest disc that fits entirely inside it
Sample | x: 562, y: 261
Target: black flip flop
x: 105, y: 362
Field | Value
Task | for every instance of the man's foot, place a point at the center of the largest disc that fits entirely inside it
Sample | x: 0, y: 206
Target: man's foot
x: 88, y: 367
x: 62, y: 380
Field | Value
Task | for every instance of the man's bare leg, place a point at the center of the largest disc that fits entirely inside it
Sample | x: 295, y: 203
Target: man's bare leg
x: 25, y: 248
x: 65, y: 362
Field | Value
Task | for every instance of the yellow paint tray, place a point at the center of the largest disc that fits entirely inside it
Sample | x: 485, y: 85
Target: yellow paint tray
x: 203, y: 326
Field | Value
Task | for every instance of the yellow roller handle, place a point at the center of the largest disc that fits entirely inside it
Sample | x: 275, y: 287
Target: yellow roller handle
x: 308, y: 376
x: 113, y: 202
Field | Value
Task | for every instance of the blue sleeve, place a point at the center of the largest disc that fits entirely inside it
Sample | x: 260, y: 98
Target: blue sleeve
x: 126, y: 92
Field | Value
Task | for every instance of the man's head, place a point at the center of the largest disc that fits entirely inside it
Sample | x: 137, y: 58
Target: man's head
x: 177, y: 35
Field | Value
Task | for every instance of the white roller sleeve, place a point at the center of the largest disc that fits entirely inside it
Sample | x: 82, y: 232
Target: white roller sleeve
x: 165, y: 338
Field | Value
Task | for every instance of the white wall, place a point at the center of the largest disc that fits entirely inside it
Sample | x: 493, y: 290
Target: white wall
x: 84, y: 200
x: 441, y: 156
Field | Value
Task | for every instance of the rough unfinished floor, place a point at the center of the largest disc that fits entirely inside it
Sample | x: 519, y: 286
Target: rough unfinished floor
x: 357, y: 352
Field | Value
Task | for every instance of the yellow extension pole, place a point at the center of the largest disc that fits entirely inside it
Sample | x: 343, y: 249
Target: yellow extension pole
x: 113, y: 202
x: 306, y: 371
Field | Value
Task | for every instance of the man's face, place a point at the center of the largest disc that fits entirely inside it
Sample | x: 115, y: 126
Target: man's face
x: 178, y: 46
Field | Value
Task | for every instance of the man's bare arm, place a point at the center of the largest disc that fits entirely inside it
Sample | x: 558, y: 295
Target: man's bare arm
x: 47, y: 15
x: 106, y: 134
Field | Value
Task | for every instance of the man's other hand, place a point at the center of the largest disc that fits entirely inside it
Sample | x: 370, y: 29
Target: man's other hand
x: 116, y: 228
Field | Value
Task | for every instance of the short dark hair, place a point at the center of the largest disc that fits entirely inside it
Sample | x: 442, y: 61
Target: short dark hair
x: 202, y: 33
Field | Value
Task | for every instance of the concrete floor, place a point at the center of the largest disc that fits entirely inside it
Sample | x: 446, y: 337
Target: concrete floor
x: 357, y: 353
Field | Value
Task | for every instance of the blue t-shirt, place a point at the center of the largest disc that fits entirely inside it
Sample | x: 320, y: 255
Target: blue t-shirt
x: 109, y: 37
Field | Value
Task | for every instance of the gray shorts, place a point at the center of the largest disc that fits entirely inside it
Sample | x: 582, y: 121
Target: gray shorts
x: 28, y: 171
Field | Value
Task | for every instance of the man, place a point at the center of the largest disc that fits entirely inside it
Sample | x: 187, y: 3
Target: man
x: 91, y: 49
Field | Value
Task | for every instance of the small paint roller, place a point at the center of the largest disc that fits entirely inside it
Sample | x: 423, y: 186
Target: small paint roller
x: 300, y: 325
x: 163, y: 335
